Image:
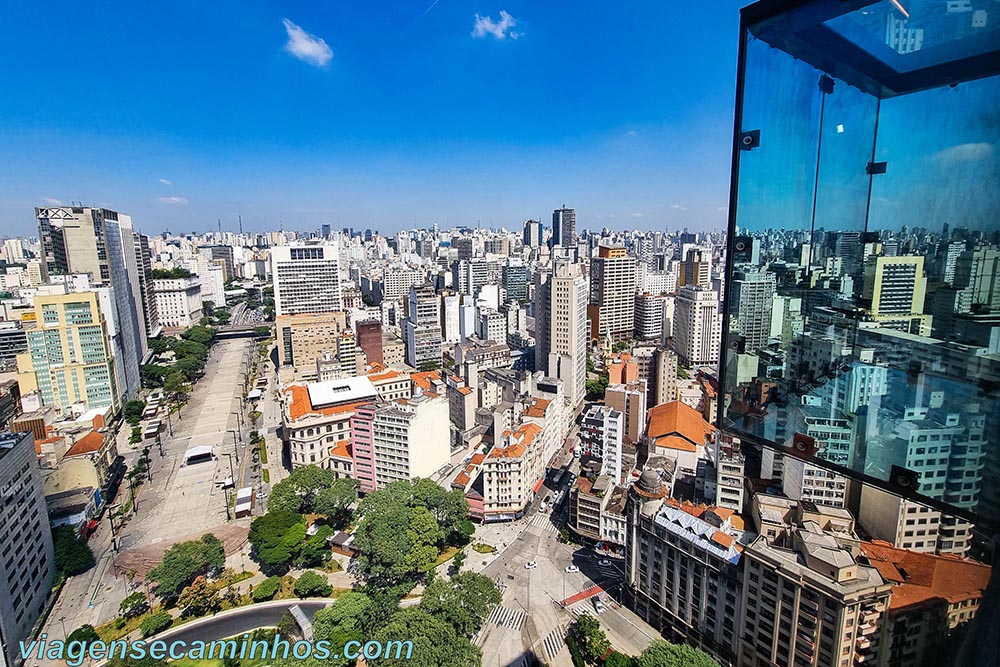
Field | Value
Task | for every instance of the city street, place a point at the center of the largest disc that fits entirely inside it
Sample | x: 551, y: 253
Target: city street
x: 179, y: 501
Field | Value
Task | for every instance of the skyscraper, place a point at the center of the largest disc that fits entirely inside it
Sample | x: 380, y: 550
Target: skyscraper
x: 697, y: 326
x: 101, y: 242
x: 422, y: 329
x: 752, y: 298
x: 532, y: 233
x: 561, y: 328
x: 306, y: 279
x: 28, y: 563
x: 564, y: 227
x: 612, y: 294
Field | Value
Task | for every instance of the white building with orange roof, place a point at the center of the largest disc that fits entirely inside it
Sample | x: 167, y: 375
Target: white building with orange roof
x: 317, y: 416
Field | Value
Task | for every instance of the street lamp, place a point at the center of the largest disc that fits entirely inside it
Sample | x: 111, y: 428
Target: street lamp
x: 239, y: 419
x: 236, y: 442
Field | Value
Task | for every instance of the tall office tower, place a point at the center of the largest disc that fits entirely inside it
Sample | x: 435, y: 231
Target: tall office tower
x: 101, y: 242
x: 532, y: 234
x: 564, y: 227
x: 515, y: 279
x: 697, y: 326
x: 752, y: 299
x: 947, y: 260
x: 811, y: 601
x: 306, y: 279
x: 696, y: 269
x: 27, y: 563
x: 469, y: 276
x: 649, y: 309
x: 560, y: 305
x: 894, y: 290
x: 13, y: 251
x: 144, y: 267
x: 422, y: 329
x: 978, y: 271
x: 612, y: 294
x: 665, y: 386
x: 465, y: 246
x: 223, y: 254
x: 629, y: 399
x: 369, y: 336
x: 324, y: 231
x: 69, y: 359
x: 683, y: 569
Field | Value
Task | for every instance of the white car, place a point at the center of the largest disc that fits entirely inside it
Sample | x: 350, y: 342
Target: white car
x: 261, y: 495
x: 599, y: 606
x: 530, y: 565
x: 570, y: 569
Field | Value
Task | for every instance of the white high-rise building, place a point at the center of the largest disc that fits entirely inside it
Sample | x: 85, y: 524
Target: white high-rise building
x: 561, y: 328
x: 697, y: 328
x: 752, y: 299
x: 422, y: 328
x: 306, y: 279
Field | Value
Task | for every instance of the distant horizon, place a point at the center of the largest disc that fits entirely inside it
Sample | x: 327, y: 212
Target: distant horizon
x: 380, y: 116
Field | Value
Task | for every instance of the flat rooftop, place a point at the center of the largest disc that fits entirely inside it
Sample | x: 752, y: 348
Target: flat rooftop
x: 332, y: 392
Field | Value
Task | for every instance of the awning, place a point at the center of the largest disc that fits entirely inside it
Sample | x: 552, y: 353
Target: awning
x: 200, y: 451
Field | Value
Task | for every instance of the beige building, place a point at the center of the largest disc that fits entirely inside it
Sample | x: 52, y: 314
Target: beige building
x: 895, y: 288
x: 302, y: 339
x: 316, y: 417
x: 69, y: 360
x: 178, y: 302
x: 612, y: 295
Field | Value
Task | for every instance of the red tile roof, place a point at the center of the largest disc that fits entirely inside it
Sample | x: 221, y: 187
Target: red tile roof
x: 88, y: 444
x: 677, y: 419
x: 920, y: 578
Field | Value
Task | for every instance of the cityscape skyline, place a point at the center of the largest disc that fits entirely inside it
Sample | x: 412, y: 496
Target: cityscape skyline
x: 413, y: 117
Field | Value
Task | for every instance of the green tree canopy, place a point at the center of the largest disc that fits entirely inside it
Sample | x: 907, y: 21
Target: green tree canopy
x: 435, y: 642
x: 199, y: 334
x: 133, y: 605
x: 298, y: 492
x: 616, y: 659
x: 84, y: 634
x: 343, y: 620
x: 199, y: 598
x: 267, y: 589
x: 154, y: 623
x: 590, y: 638
x: 72, y: 555
x: 311, y: 584
x: 463, y: 601
x: 175, y: 384
x: 132, y: 410
x: 184, y: 562
x: 170, y: 274
x: 664, y: 654
x: 276, y: 538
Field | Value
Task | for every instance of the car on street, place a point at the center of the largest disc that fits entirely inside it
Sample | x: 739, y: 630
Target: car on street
x: 530, y: 565
x: 599, y: 606
x: 261, y: 495
x: 570, y: 569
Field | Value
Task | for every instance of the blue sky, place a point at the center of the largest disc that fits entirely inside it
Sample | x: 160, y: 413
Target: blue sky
x: 406, y: 113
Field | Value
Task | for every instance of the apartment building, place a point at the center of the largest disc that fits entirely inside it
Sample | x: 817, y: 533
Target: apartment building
x: 697, y: 327
x: 602, y: 431
x: 304, y: 338
x: 611, y: 307
x: 306, y: 279
x: 683, y: 568
x: 422, y: 329
x: 560, y: 309
x: 178, y: 301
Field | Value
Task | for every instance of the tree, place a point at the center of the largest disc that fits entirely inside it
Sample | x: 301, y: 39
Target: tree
x: 311, y: 584
x: 276, y: 538
x: 154, y: 623
x: 616, y: 659
x: 184, y: 562
x: 191, y: 367
x: 661, y: 653
x: 463, y: 601
x: 342, y: 621
x: 134, y: 604
x: 335, y: 501
x: 435, y: 642
x: 170, y: 274
x: 590, y: 639
x: 158, y: 345
x: 175, y: 384
x: 132, y: 410
x: 72, y: 555
x: 85, y: 634
x: 267, y: 589
x: 298, y: 492
x: 208, y: 307
x: 199, y: 598
x: 199, y: 334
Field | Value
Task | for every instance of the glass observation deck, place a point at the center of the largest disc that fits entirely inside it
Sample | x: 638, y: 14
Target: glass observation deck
x: 862, y: 333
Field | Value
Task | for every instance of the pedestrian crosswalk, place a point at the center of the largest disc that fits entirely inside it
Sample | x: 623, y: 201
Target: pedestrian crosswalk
x: 543, y: 521
x: 554, y: 642
x: 506, y: 618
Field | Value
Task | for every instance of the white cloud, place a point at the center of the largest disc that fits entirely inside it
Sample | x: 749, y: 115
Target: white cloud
x: 678, y: 207
x: 171, y: 200
x: 306, y: 47
x: 631, y: 133
x: 485, y: 25
x: 166, y: 181
x: 51, y: 202
x: 965, y: 152
x: 638, y: 215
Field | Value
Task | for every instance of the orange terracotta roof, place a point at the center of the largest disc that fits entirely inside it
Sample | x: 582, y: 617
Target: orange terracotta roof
x: 537, y: 408
x: 88, y: 444
x: 385, y: 376
x: 341, y: 450
x: 919, y: 578
x: 583, y: 484
x: 676, y: 443
x: 376, y: 367
x: 300, y: 405
x: 477, y: 459
x: 722, y: 539
x: 465, y: 391
x: 677, y: 418
x: 515, y: 451
x: 461, y: 479
x: 455, y: 378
